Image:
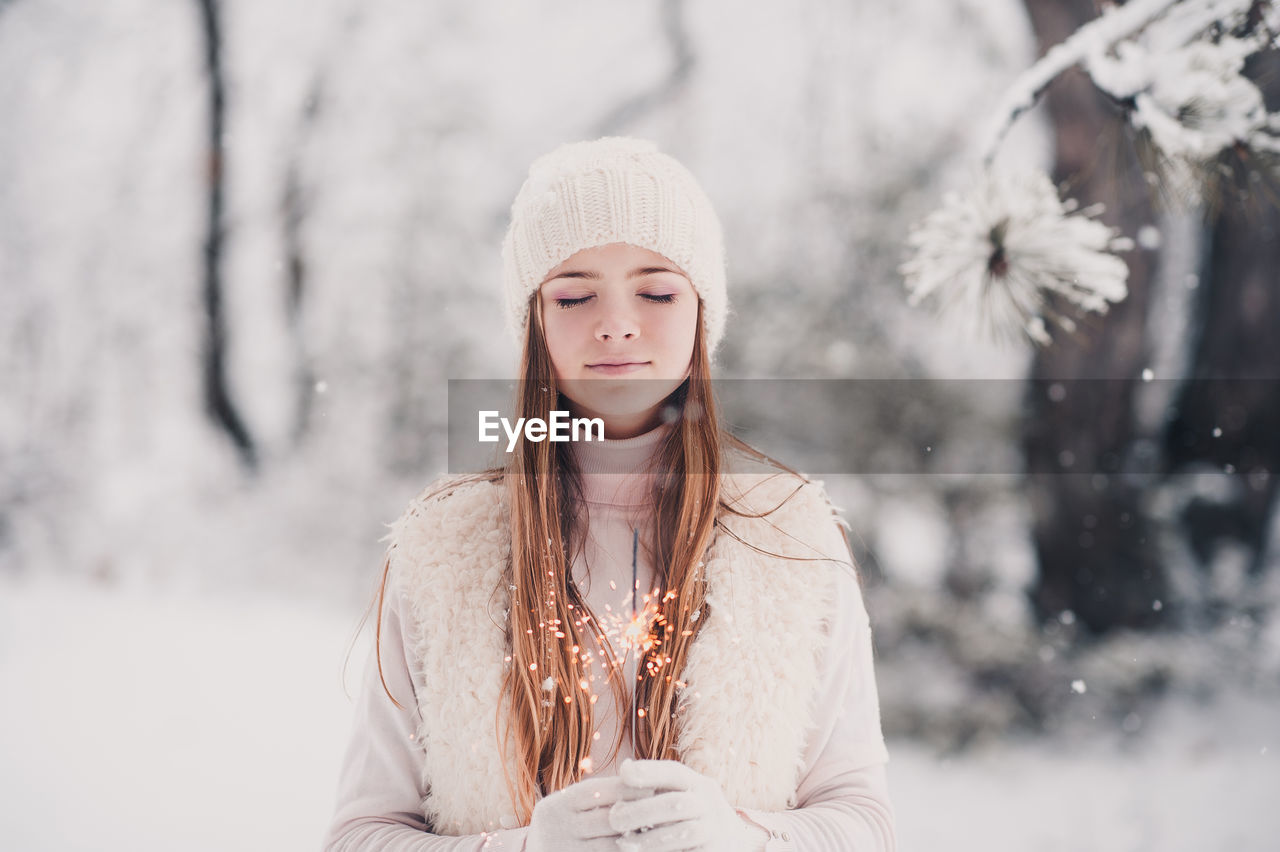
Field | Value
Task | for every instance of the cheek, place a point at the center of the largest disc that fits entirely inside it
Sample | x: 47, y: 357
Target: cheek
x: 559, y: 346
x: 555, y: 350
x: 685, y: 329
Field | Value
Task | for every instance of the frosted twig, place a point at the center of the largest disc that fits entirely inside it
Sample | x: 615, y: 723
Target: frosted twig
x: 993, y: 257
x: 1095, y: 37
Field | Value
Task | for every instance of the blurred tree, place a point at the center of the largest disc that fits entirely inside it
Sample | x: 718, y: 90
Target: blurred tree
x: 218, y: 400
x: 1230, y: 412
x: 1092, y: 542
x: 295, y: 202
x: 1093, y: 529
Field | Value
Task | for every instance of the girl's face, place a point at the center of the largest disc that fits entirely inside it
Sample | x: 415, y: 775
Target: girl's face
x: 620, y: 323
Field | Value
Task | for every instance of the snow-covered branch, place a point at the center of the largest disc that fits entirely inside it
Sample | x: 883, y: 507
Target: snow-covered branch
x: 1095, y: 37
x: 1001, y: 252
x: 993, y: 256
x: 1131, y: 49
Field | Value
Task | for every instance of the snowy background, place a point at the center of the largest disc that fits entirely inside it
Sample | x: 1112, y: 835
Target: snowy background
x: 180, y: 614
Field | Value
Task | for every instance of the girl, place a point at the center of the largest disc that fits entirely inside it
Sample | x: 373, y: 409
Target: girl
x: 652, y: 642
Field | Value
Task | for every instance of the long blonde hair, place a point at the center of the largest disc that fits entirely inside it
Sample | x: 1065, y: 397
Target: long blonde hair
x: 551, y: 731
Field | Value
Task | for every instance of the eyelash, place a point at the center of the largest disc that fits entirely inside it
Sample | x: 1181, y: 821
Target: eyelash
x: 573, y: 303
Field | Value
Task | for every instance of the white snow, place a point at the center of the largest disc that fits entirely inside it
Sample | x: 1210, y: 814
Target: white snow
x: 136, y: 720
x: 1194, y: 778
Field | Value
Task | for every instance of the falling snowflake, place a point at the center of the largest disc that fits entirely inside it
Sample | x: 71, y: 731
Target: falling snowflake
x: 995, y: 255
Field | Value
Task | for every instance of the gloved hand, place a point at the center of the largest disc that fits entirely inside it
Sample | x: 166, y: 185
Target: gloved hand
x: 576, y: 819
x: 687, y: 811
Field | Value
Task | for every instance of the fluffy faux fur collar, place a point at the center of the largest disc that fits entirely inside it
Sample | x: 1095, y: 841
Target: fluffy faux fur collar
x: 751, y: 676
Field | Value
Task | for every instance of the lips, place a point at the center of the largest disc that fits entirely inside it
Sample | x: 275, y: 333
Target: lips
x: 609, y: 368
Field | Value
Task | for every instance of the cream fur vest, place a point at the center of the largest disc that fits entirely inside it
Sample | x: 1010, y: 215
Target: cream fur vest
x: 752, y: 673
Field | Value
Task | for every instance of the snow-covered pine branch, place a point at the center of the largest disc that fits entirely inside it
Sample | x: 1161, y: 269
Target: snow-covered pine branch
x: 1198, y: 105
x: 991, y: 258
x: 997, y: 253
x: 1095, y: 37
x: 1176, y: 57
x: 1184, y: 89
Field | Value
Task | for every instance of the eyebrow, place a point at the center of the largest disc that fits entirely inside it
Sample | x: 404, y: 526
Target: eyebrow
x: 635, y: 273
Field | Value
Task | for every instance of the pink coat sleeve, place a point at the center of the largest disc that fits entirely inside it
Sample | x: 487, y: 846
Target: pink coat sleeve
x: 380, y: 786
x: 843, y: 802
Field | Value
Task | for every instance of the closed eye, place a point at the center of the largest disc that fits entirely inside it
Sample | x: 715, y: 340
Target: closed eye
x: 664, y: 299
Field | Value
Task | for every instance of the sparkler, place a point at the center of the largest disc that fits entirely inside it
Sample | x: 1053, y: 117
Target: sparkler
x: 634, y: 633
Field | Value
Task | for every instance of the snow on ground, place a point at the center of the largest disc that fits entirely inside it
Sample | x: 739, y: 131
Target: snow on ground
x: 1205, y: 778
x: 138, y: 719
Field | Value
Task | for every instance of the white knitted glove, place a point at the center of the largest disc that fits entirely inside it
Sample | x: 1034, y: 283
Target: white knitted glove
x: 687, y: 811
x: 576, y: 819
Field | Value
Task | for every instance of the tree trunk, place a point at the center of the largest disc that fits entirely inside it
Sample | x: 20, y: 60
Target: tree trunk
x: 217, y: 398
x: 1091, y: 539
x: 1230, y: 413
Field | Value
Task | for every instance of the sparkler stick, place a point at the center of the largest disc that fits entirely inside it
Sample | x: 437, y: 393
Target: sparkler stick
x: 635, y: 590
x: 635, y: 636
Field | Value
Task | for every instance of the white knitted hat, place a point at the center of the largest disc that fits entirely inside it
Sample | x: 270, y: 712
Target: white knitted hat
x: 615, y: 189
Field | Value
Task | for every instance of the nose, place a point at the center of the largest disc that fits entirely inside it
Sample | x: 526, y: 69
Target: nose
x: 616, y: 322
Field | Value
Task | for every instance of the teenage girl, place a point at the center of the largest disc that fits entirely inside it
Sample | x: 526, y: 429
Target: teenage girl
x: 652, y: 642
